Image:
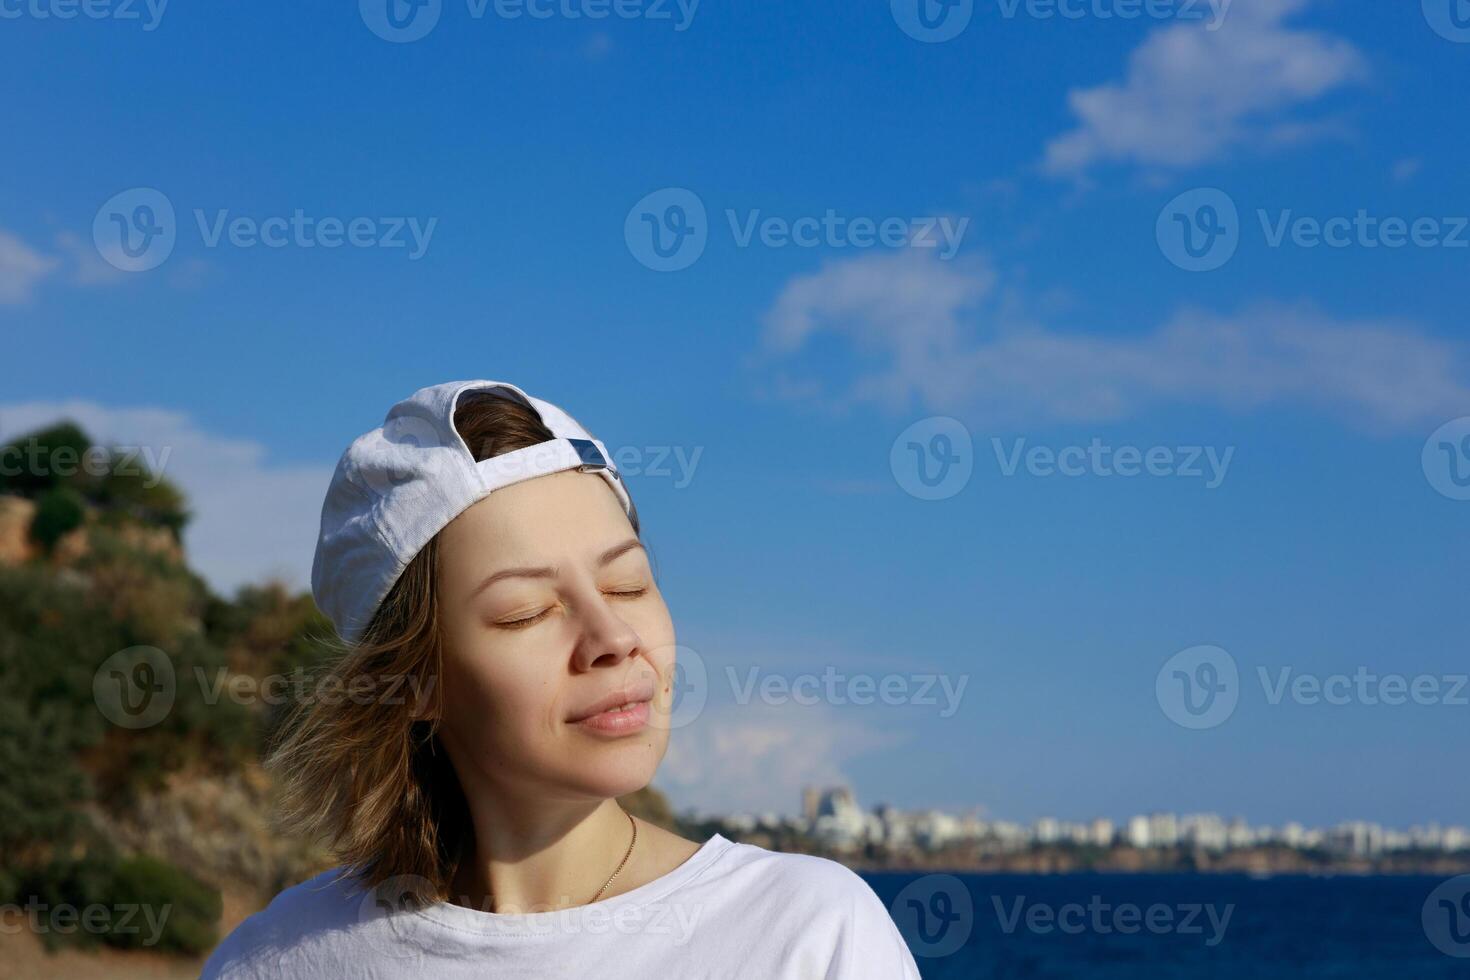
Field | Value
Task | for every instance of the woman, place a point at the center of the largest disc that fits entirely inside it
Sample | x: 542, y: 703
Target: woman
x: 507, y: 674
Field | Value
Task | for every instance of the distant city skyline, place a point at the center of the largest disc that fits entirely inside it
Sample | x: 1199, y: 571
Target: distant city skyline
x: 832, y: 814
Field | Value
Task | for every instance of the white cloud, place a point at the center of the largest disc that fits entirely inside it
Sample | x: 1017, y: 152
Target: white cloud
x: 21, y: 268
x: 1191, y: 93
x: 87, y: 265
x: 77, y: 262
x: 756, y: 757
x: 945, y: 338
x: 252, y: 520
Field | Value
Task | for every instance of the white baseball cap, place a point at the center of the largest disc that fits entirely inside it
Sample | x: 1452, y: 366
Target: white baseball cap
x: 400, y: 484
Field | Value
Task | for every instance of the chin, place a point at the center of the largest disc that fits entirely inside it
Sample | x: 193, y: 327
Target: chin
x: 618, y: 768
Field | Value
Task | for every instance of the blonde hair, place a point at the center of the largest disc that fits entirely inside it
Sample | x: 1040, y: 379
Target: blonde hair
x: 363, y: 775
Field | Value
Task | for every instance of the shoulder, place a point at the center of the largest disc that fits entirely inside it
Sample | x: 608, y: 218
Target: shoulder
x: 327, y: 904
x: 784, y: 869
x: 834, y: 906
x: 817, y: 879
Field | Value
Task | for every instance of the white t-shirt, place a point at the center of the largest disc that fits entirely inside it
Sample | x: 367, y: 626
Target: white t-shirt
x: 731, y: 911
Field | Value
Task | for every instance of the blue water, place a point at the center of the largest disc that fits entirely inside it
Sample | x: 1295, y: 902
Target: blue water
x: 1345, y: 928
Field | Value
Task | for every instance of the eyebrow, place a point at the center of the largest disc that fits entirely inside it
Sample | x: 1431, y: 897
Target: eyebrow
x: 547, y: 571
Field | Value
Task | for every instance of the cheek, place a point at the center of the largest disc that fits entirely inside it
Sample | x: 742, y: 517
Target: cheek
x: 655, y: 627
x: 489, y: 698
x: 663, y: 658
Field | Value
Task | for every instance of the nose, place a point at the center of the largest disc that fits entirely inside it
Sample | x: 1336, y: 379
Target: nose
x: 605, y: 638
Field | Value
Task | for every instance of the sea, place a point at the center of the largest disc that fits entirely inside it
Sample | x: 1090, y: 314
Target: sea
x: 1181, y: 926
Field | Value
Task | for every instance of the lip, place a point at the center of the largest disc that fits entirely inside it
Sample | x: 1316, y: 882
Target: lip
x: 637, y: 694
x: 616, y: 723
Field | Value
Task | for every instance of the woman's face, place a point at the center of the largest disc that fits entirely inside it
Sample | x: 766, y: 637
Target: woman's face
x: 548, y: 607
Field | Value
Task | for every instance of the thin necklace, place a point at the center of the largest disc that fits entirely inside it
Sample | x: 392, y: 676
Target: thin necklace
x: 620, y: 865
x: 624, y: 861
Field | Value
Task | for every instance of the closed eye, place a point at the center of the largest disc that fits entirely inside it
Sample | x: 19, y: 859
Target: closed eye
x: 525, y: 621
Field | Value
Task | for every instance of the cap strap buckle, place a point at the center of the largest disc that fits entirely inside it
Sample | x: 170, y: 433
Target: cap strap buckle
x: 591, y: 456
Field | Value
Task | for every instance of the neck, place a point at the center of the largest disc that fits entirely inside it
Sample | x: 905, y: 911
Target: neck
x: 540, y: 858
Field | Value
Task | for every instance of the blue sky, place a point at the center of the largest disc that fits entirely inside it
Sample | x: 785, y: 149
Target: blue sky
x: 524, y: 149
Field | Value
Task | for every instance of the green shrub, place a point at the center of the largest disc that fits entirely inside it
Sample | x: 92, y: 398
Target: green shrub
x: 186, y: 909
x: 58, y: 511
x: 66, y: 886
x: 129, y: 902
x: 130, y: 492
x: 48, y: 632
x: 44, y: 457
x: 118, y: 483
